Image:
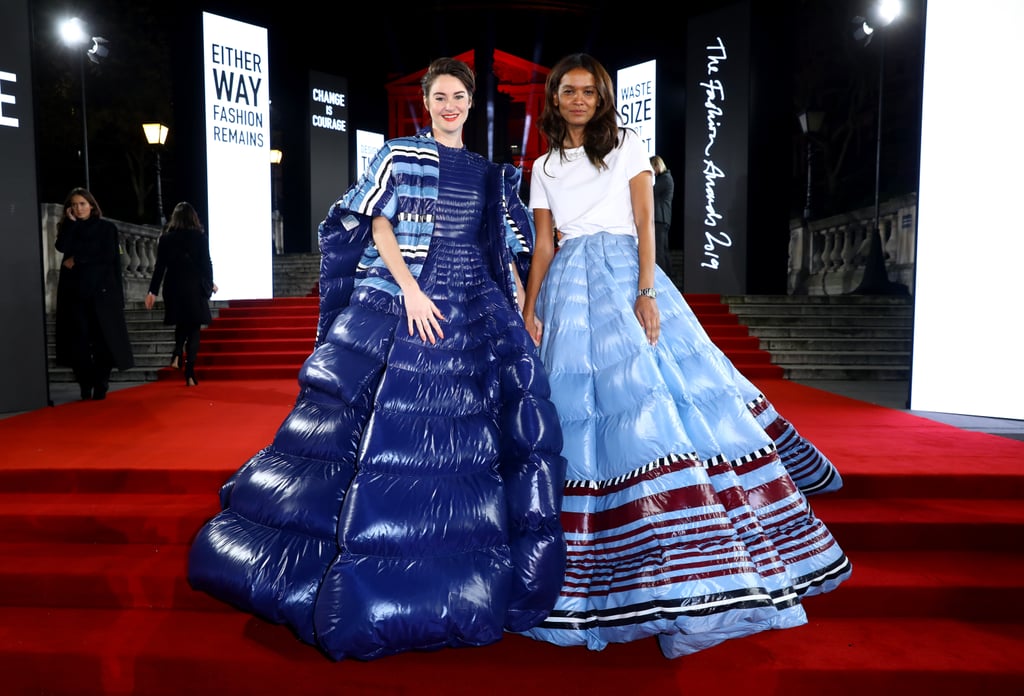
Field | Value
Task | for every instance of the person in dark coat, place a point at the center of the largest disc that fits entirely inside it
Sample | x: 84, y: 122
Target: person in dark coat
x: 91, y: 332
x: 184, y: 268
x: 664, y: 190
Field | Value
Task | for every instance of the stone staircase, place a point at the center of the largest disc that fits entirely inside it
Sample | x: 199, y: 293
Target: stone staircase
x: 832, y: 337
x: 838, y: 337
x: 296, y: 275
x: 152, y: 343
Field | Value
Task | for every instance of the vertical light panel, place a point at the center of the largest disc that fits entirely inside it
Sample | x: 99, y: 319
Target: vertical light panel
x: 236, y: 73
x: 636, y: 92
x: 22, y: 305
x: 367, y: 145
x: 717, y: 163
x: 328, y: 146
x: 968, y: 325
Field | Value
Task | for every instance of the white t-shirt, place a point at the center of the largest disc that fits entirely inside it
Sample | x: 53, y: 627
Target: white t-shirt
x: 584, y: 199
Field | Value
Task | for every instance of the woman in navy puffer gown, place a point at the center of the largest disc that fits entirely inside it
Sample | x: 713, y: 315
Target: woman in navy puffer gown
x: 411, y: 499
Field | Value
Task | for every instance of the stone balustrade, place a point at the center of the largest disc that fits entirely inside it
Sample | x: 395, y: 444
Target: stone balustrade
x: 828, y: 256
x: 138, y: 246
x: 138, y: 257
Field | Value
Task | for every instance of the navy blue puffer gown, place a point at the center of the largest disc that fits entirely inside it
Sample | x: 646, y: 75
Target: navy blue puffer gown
x: 411, y: 499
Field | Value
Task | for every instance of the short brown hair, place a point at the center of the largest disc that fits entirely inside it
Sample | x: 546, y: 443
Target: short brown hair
x: 448, y: 66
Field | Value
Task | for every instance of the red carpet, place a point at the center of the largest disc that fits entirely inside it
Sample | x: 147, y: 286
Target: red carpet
x: 100, y: 500
x: 270, y: 339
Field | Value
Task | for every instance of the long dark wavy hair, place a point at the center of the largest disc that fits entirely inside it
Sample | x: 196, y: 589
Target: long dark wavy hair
x: 601, y: 134
x: 184, y: 216
x: 87, y: 195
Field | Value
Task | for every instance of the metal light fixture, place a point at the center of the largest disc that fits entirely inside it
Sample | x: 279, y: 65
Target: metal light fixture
x: 99, y: 49
x: 810, y: 124
x: 73, y: 33
x: 156, y: 134
x: 876, y: 278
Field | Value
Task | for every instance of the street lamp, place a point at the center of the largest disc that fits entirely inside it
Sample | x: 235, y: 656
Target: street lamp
x: 810, y: 124
x: 275, y: 179
x: 73, y: 33
x: 156, y: 134
x: 876, y: 279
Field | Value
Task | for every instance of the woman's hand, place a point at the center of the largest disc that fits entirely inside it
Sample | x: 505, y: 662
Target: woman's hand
x: 215, y: 288
x: 423, y: 316
x: 150, y: 299
x: 534, y: 326
x: 646, y: 311
x: 69, y: 262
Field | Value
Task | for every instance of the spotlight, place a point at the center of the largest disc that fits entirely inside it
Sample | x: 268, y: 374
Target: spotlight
x: 99, y: 49
x: 864, y: 31
x: 883, y: 12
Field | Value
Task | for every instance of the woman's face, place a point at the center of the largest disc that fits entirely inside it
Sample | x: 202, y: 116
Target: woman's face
x: 81, y: 209
x: 577, y: 97
x: 448, y: 103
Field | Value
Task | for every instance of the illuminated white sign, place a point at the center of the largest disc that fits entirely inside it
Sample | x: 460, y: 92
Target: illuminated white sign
x: 367, y: 145
x: 236, y: 72
x: 5, y: 118
x: 967, y: 325
x: 636, y: 96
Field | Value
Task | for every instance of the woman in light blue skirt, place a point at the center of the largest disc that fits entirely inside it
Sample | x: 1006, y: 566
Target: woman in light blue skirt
x: 685, y: 508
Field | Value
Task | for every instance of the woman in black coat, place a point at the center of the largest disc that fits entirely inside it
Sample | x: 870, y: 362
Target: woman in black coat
x: 91, y: 334
x: 184, y: 268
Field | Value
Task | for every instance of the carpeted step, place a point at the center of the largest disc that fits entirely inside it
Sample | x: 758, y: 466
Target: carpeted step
x: 86, y: 518
x: 161, y: 652
x: 962, y: 585
x: 282, y: 310
x: 267, y: 356
x: 304, y: 301
x: 218, y: 333
x: 264, y: 320
x: 977, y: 586
x: 983, y: 484
x: 163, y: 479
x: 284, y: 371
x: 294, y: 344
x: 171, y: 478
x: 99, y: 576
x: 923, y: 524
x: 758, y: 372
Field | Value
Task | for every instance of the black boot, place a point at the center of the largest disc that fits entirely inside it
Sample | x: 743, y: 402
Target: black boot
x: 85, y: 390
x: 101, y: 383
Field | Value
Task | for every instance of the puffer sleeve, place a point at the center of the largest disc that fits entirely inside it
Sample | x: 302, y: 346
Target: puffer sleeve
x: 346, y: 234
x: 517, y: 221
x: 510, y: 231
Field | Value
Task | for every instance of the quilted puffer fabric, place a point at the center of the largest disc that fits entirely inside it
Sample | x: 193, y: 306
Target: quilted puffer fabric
x: 411, y: 499
x: 681, y: 518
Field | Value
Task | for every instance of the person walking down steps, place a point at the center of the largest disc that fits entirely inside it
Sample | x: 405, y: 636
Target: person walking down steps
x: 184, y: 269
